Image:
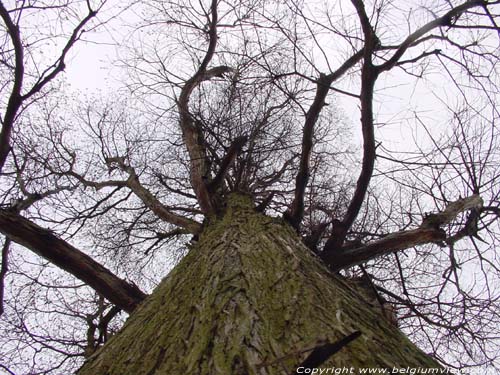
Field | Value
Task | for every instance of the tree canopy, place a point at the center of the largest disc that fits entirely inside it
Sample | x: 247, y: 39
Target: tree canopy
x: 371, y: 127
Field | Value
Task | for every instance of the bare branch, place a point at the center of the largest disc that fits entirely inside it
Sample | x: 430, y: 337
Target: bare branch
x: 233, y: 151
x: 4, y: 269
x: 369, y: 75
x: 192, y: 134
x: 428, y: 232
x: 44, y: 243
x: 15, y: 99
x: 51, y: 72
x: 162, y: 211
x: 296, y: 212
x: 444, y: 20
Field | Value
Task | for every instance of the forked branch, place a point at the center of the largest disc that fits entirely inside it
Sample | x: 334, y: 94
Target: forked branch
x: 16, y: 97
x: 295, y: 214
x: 429, y: 231
x: 191, y: 132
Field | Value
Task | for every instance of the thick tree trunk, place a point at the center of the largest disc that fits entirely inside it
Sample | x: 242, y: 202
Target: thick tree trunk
x: 249, y: 298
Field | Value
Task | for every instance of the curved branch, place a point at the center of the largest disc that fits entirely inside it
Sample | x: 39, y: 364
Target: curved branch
x: 162, y: 211
x: 191, y: 132
x: 294, y: 216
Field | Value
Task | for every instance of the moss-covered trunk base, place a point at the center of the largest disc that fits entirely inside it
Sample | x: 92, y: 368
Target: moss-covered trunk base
x: 249, y: 298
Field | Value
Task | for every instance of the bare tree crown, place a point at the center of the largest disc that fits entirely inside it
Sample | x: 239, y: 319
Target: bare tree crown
x: 251, y: 97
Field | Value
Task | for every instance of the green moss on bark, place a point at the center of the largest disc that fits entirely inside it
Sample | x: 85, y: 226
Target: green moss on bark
x: 248, y: 299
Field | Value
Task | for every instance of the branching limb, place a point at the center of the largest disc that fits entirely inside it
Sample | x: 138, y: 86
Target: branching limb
x: 16, y: 98
x: 444, y: 20
x: 191, y: 132
x: 101, y: 326
x: 50, y: 73
x: 233, y: 151
x: 428, y: 232
x: 44, y: 243
x: 369, y: 75
x: 296, y: 212
x: 370, y: 72
x: 134, y: 184
x: 162, y: 211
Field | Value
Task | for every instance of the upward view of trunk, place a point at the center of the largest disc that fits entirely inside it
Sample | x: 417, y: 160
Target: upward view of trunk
x: 249, y: 298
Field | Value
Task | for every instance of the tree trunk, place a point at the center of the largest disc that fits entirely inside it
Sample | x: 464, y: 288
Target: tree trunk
x: 249, y: 298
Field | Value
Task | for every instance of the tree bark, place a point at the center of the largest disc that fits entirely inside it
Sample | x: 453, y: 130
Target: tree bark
x: 250, y: 298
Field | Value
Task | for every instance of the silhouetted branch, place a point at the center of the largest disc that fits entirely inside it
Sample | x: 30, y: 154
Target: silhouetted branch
x: 44, y: 243
x: 428, y: 232
x: 16, y: 98
x: 192, y: 134
x: 3, y: 270
x: 233, y: 151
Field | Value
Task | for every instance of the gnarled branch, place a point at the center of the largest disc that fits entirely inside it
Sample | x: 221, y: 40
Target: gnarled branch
x: 191, y: 132
x: 428, y: 232
x: 162, y: 211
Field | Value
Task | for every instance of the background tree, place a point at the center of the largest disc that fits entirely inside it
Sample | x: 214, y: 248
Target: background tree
x: 255, y: 98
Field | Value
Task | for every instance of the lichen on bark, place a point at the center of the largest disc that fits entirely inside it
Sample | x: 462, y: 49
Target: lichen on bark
x: 249, y: 298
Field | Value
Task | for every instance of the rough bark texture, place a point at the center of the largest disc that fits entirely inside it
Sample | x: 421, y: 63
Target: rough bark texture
x: 249, y: 298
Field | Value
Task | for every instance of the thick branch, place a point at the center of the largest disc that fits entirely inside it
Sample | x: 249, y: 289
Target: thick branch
x: 370, y: 38
x: 4, y: 269
x: 389, y: 244
x: 191, y: 132
x: 233, y: 151
x: 44, y: 243
x: 452, y: 210
x: 368, y: 78
x: 162, y: 211
x: 295, y: 214
x: 15, y: 100
x: 294, y: 217
x: 428, y: 232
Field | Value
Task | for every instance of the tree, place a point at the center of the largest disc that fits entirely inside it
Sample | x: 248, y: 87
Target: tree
x: 303, y: 253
